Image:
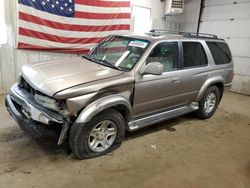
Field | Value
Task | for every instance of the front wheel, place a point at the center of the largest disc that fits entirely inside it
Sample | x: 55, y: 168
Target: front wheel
x: 103, y: 134
x: 209, y: 103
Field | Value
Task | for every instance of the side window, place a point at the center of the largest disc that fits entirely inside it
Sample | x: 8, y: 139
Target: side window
x: 166, y: 53
x: 194, y: 55
x: 220, y: 52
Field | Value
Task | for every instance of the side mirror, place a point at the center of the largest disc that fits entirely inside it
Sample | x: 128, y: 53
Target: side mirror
x: 154, y: 68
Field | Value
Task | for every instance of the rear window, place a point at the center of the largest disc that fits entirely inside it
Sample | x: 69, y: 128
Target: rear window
x: 194, y: 55
x: 220, y: 52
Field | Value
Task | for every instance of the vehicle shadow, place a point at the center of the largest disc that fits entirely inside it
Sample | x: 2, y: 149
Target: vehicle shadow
x: 49, y: 143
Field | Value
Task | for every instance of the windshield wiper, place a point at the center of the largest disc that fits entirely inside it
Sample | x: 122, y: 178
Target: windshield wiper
x: 109, y: 64
x: 88, y: 57
x: 100, y: 61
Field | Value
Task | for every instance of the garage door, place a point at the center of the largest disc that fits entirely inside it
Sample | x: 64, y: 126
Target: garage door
x: 230, y: 19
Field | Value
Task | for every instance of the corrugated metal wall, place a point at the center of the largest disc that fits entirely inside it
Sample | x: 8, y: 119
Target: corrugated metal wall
x: 230, y: 19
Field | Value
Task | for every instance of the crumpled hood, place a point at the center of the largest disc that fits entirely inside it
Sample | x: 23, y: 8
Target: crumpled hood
x: 54, y: 76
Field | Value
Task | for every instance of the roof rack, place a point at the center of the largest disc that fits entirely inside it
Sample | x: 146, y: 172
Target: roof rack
x: 160, y: 31
x: 200, y: 35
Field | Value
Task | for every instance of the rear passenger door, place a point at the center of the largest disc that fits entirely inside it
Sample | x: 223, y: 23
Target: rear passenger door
x: 194, y: 69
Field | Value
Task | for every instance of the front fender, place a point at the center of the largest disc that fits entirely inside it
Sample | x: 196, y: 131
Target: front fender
x: 209, y: 82
x: 101, y: 104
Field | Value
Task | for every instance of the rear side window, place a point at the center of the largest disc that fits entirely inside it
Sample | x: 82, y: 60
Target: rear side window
x: 220, y: 52
x: 193, y: 54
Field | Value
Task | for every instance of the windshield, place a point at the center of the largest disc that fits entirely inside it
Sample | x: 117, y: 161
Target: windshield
x: 119, y: 52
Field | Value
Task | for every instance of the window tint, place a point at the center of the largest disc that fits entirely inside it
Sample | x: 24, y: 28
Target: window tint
x: 166, y: 53
x: 194, y: 54
x: 220, y: 52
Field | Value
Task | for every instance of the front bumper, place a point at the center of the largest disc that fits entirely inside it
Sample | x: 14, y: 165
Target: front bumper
x: 27, y: 112
x: 28, y: 125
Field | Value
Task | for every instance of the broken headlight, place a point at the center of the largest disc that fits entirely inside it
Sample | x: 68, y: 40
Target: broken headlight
x: 47, y: 102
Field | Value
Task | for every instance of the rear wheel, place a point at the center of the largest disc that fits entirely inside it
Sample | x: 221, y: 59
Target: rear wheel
x: 103, y: 134
x: 209, y: 103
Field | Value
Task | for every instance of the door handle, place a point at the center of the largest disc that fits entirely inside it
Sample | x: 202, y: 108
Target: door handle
x: 175, y: 79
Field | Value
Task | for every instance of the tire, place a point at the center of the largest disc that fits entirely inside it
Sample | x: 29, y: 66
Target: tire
x: 81, y: 135
x: 202, y: 113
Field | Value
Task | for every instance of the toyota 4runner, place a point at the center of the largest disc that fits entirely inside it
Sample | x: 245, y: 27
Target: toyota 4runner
x: 127, y: 82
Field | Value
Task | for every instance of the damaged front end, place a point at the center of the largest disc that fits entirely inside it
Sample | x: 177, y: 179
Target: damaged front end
x: 35, y: 112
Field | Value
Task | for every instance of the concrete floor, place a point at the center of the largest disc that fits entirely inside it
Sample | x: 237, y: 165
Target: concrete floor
x: 184, y: 152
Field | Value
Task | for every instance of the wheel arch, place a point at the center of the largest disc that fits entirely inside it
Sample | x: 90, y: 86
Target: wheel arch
x: 216, y: 81
x: 220, y: 86
x: 117, y: 102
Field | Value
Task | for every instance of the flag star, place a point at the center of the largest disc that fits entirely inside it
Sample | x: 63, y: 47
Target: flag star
x: 53, y: 6
x: 43, y: 3
x: 66, y: 4
x: 70, y: 1
x: 34, y: 0
x: 57, y: 2
x: 61, y: 8
x: 48, y: 0
x: 70, y: 9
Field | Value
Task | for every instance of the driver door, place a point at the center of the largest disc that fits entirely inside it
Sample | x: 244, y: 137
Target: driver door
x: 155, y: 93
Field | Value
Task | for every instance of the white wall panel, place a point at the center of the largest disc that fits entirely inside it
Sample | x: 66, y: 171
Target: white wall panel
x: 1, y: 79
x: 242, y: 67
x: 156, y: 6
x: 8, y: 68
x: 241, y: 84
x: 223, y: 2
x: 225, y: 28
x: 240, y: 47
x: 230, y: 11
x: 231, y: 21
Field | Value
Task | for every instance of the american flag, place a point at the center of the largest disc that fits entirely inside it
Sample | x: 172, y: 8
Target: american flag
x: 70, y: 25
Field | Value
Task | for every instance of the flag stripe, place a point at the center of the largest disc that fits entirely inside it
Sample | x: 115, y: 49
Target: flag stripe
x: 54, y: 38
x: 104, y: 16
x: 25, y: 46
x: 75, y: 50
x: 68, y: 33
x: 51, y: 44
x: 69, y: 21
x: 104, y: 3
x: 98, y: 9
x: 71, y: 27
